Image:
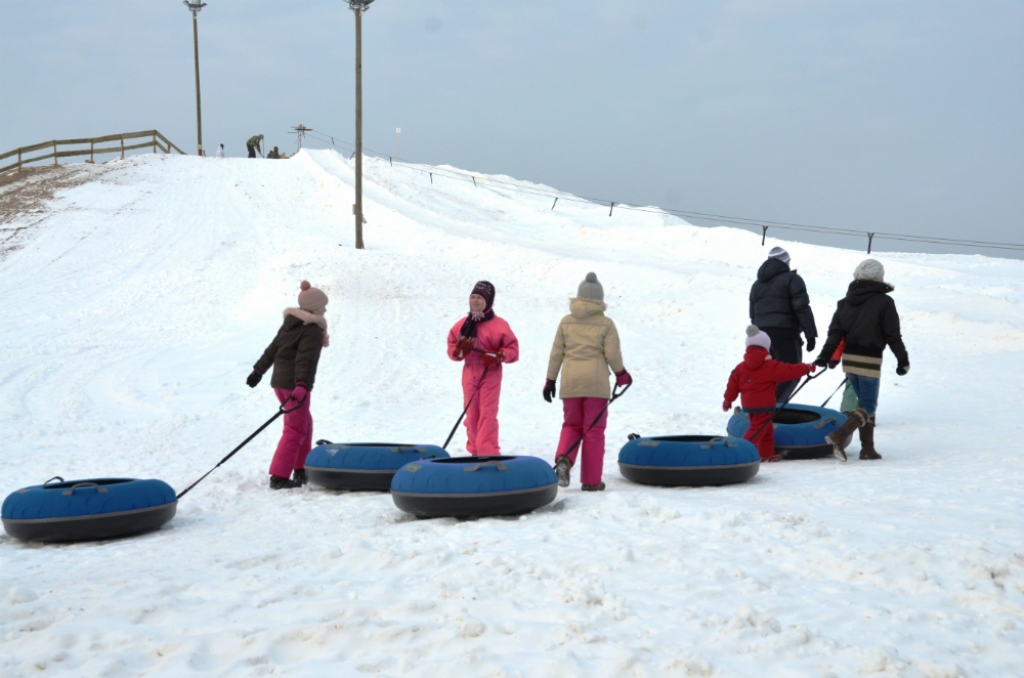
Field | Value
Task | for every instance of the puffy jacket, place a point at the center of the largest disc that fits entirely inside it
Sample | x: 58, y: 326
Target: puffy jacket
x: 868, y: 322
x: 586, y: 350
x: 778, y: 299
x: 755, y: 378
x: 492, y: 336
x: 295, y: 351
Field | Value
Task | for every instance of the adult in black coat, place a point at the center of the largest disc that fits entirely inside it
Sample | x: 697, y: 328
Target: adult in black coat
x: 867, y: 320
x: 779, y: 306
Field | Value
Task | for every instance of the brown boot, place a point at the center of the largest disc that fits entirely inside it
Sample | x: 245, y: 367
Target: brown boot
x: 867, y: 441
x: 841, y: 437
x: 594, y: 488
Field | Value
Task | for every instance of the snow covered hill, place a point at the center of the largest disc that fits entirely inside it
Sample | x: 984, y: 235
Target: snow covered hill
x: 136, y: 307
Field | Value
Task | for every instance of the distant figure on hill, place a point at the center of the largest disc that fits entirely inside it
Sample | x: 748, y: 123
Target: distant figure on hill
x: 274, y: 154
x: 780, y: 307
x: 220, y: 151
x: 253, y: 145
x: 867, y: 321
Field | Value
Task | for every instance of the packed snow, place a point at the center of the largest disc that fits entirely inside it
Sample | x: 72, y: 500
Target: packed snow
x: 135, y: 309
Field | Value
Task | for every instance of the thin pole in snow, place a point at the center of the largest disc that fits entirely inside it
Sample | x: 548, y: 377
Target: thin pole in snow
x: 764, y: 232
x: 554, y: 203
x: 871, y: 236
x: 610, y: 208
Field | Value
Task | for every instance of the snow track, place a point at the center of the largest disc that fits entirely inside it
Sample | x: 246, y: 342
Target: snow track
x: 135, y: 307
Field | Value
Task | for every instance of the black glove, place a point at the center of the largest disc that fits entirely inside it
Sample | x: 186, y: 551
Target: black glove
x: 821, y: 361
x: 549, y: 390
x: 253, y: 379
x: 810, y: 344
x: 902, y: 369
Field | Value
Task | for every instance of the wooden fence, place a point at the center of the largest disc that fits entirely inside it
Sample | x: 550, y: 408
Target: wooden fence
x: 154, y: 142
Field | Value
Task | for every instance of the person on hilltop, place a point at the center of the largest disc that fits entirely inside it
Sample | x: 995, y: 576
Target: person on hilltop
x: 483, y: 342
x: 780, y: 307
x: 586, y: 350
x: 755, y: 381
x: 274, y: 154
x: 294, y: 354
x: 867, y: 321
x: 220, y: 151
x: 253, y: 145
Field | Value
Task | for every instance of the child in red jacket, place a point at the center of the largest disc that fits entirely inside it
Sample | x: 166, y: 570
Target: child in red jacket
x: 754, y: 381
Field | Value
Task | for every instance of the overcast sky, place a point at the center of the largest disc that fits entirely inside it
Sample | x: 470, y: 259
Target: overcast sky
x: 879, y: 115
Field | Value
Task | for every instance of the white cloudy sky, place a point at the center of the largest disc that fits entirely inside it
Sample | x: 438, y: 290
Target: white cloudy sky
x: 898, y: 116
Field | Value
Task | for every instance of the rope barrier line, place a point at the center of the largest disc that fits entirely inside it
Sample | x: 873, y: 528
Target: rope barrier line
x: 736, y: 221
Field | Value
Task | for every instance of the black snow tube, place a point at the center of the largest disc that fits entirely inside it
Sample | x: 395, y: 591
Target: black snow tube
x: 88, y: 510
x: 367, y: 467
x: 674, y: 461
x: 464, y: 487
x: 800, y: 430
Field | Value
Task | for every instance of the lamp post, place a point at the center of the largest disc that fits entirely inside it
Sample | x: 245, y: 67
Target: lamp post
x: 359, y: 6
x: 195, y: 7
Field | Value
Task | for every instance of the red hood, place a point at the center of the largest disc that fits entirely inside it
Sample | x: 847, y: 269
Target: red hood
x: 754, y: 357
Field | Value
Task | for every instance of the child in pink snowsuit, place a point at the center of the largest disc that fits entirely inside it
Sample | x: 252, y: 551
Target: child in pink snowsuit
x: 484, y: 342
x: 294, y: 354
x: 586, y: 350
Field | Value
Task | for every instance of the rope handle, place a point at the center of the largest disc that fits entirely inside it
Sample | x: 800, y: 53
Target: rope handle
x: 52, y: 479
x: 717, y: 439
x: 477, y: 467
x: 95, y: 486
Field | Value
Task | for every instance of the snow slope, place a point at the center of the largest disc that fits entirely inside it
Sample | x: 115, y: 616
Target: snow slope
x: 135, y: 312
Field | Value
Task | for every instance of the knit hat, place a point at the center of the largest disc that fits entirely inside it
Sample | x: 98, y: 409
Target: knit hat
x: 310, y: 298
x: 780, y: 254
x: 870, y: 269
x: 485, y: 290
x: 590, y: 288
x: 756, y: 337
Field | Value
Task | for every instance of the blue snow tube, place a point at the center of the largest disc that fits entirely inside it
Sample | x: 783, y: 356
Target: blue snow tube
x: 673, y: 461
x: 363, y: 466
x: 85, y: 510
x: 800, y: 430
x: 474, y: 486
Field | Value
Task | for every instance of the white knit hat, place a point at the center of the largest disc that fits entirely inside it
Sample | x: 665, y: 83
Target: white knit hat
x: 870, y: 269
x: 756, y: 337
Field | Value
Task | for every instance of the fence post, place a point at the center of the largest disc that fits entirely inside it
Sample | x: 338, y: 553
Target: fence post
x: 55, y: 152
x: 19, y: 161
x: 122, y: 147
x: 154, y: 142
x: 92, y: 150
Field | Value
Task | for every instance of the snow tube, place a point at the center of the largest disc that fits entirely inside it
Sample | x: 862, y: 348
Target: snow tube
x: 800, y: 430
x: 474, y: 486
x: 673, y: 461
x: 86, y: 510
x: 363, y: 466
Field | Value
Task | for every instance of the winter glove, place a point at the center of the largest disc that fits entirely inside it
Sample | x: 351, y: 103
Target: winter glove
x: 821, y: 361
x: 463, y: 346
x: 549, y: 390
x: 810, y: 344
x: 832, y: 364
x: 253, y: 379
x: 726, y: 405
x: 622, y: 378
x: 299, y: 393
x: 813, y: 367
x: 493, y: 358
x: 903, y: 369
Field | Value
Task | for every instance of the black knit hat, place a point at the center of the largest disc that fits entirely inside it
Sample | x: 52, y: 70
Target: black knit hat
x: 485, y: 290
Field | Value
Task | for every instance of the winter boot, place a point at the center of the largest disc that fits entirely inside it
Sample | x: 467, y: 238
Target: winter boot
x: 299, y: 476
x: 594, y: 488
x: 562, y: 468
x: 840, y: 438
x: 867, y: 441
x: 279, y: 483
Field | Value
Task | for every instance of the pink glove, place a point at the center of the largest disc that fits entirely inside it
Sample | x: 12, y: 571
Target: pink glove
x: 299, y: 393
x: 812, y: 366
x: 622, y: 378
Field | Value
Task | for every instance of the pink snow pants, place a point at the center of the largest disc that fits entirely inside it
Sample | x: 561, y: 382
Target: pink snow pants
x: 482, y: 415
x: 296, y: 439
x: 579, y: 414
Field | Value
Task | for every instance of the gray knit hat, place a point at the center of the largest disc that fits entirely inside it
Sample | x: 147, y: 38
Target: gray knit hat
x: 780, y: 254
x: 870, y: 269
x: 590, y: 288
x: 310, y: 298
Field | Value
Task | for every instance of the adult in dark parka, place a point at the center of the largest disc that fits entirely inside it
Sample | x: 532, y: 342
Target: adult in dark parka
x: 780, y: 307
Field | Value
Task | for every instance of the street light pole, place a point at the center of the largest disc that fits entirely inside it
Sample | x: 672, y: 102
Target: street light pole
x: 358, y: 7
x: 195, y: 7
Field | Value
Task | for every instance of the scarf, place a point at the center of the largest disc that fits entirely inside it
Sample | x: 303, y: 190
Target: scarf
x: 469, y: 326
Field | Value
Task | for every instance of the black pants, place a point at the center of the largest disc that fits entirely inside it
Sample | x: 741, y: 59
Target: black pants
x: 786, y: 349
x: 252, y: 150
